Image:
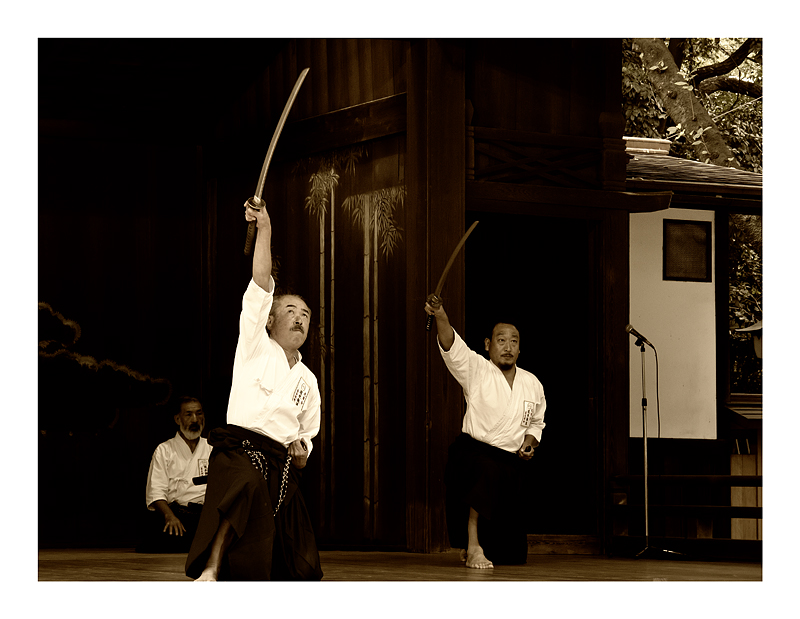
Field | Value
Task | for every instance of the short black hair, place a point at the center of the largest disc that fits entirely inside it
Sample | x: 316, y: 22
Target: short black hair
x: 501, y: 322
x: 185, y: 399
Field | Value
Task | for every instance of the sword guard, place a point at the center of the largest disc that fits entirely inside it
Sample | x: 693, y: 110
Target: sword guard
x: 255, y: 203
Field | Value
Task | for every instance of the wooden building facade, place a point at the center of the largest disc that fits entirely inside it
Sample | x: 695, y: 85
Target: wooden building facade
x: 393, y: 148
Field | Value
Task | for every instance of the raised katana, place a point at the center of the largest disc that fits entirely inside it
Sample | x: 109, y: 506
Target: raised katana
x: 433, y: 299
x: 256, y: 202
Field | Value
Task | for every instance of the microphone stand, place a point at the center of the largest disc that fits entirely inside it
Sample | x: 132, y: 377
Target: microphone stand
x: 647, y: 548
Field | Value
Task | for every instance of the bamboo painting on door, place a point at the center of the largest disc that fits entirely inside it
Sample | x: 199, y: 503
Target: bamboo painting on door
x: 373, y: 214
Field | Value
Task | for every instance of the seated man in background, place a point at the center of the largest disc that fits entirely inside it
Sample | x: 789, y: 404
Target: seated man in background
x: 173, y: 499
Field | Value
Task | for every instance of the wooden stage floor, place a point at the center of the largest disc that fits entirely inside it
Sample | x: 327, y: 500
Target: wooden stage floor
x: 115, y: 565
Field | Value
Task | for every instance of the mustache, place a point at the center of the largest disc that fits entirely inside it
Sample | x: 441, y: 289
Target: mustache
x: 298, y: 328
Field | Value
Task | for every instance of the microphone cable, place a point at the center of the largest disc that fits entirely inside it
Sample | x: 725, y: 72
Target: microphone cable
x: 658, y: 400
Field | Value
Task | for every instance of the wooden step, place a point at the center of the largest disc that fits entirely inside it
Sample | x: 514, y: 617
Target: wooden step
x: 564, y: 544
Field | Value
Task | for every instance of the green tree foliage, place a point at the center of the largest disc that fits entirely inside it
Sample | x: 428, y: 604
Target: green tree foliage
x: 644, y: 114
x: 745, y: 299
x: 728, y: 98
x: 745, y: 274
x: 742, y: 129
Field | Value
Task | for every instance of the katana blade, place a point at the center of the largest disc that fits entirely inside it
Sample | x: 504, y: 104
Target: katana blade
x: 256, y: 202
x: 452, y: 259
x: 434, y: 299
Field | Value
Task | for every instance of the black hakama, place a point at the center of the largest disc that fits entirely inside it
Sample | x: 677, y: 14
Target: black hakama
x: 264, y: 547
x: 489, y: 480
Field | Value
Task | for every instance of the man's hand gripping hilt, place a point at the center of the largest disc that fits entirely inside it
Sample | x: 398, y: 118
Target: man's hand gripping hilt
x: 256, y: 204
x: 433, y: 301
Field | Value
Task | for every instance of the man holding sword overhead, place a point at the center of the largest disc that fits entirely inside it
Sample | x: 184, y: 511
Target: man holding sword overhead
x: 502, y: 425
x: 254, y: 524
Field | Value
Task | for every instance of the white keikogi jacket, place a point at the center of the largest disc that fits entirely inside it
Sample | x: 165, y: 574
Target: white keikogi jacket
x: 171, y: 471
x: 496, y: 414
x: 267, y: 396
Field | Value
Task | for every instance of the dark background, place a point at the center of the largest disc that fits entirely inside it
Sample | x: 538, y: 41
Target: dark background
x: 147, y: 151
x: 517, y: 266
x: 144, y: 163
x: 125, y: 139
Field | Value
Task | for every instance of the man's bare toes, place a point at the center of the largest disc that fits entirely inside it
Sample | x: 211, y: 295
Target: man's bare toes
x: 478, y: 561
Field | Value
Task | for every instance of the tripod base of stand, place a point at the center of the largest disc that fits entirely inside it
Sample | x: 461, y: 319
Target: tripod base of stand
x: 648, y: 552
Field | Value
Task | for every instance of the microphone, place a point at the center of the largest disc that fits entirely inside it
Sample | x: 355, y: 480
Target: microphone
x: 635, y: 333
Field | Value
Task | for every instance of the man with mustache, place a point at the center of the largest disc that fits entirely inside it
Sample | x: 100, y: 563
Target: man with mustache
x: 502, y: 425
x: 254, y: 524
x: 173, y: 499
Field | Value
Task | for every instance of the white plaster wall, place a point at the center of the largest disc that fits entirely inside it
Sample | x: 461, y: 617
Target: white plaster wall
x: 678, y: 318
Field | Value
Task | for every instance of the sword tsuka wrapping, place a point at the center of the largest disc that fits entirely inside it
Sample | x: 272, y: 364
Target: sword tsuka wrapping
x: 429, y: 322
x: 251, y: 234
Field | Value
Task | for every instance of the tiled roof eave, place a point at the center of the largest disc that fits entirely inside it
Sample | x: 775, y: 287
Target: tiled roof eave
x: 639, y: 182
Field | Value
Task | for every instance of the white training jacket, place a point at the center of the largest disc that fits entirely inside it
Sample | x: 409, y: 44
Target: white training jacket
x: 496, y: 412
x: 172, y: 468
x: 267, y: 396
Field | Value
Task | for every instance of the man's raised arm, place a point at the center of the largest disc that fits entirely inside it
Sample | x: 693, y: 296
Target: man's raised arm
x: 443, y: 327
x: 262, y: 254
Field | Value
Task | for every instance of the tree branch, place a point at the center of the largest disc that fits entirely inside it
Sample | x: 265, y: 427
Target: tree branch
x: 730, y: 84
x: 727, y: 65
x: 681, y: 104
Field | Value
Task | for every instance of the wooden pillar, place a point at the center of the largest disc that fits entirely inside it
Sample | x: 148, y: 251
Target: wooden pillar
x: 615, y: 357
x: 614, y: 342
x: 611, y: 122
x: 435, y: 155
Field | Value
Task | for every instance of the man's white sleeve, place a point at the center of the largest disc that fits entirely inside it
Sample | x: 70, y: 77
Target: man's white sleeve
x: 459, y: 360
x: 157, y: 478
x: 537, y: 424
x: 310, y: 419
x: 256, y: 304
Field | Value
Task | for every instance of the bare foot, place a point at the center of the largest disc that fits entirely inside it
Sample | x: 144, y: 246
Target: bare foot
x: 463, y: 555
x: 209, y: 575
x: 475, y: 559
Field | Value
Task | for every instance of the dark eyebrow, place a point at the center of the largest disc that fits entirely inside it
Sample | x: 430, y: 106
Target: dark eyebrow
x: 296, y: 307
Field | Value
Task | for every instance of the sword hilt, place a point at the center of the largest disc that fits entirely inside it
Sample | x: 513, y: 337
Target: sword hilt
x: 255, y: 204
x: 251, y: 234
x: 433, y: 301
